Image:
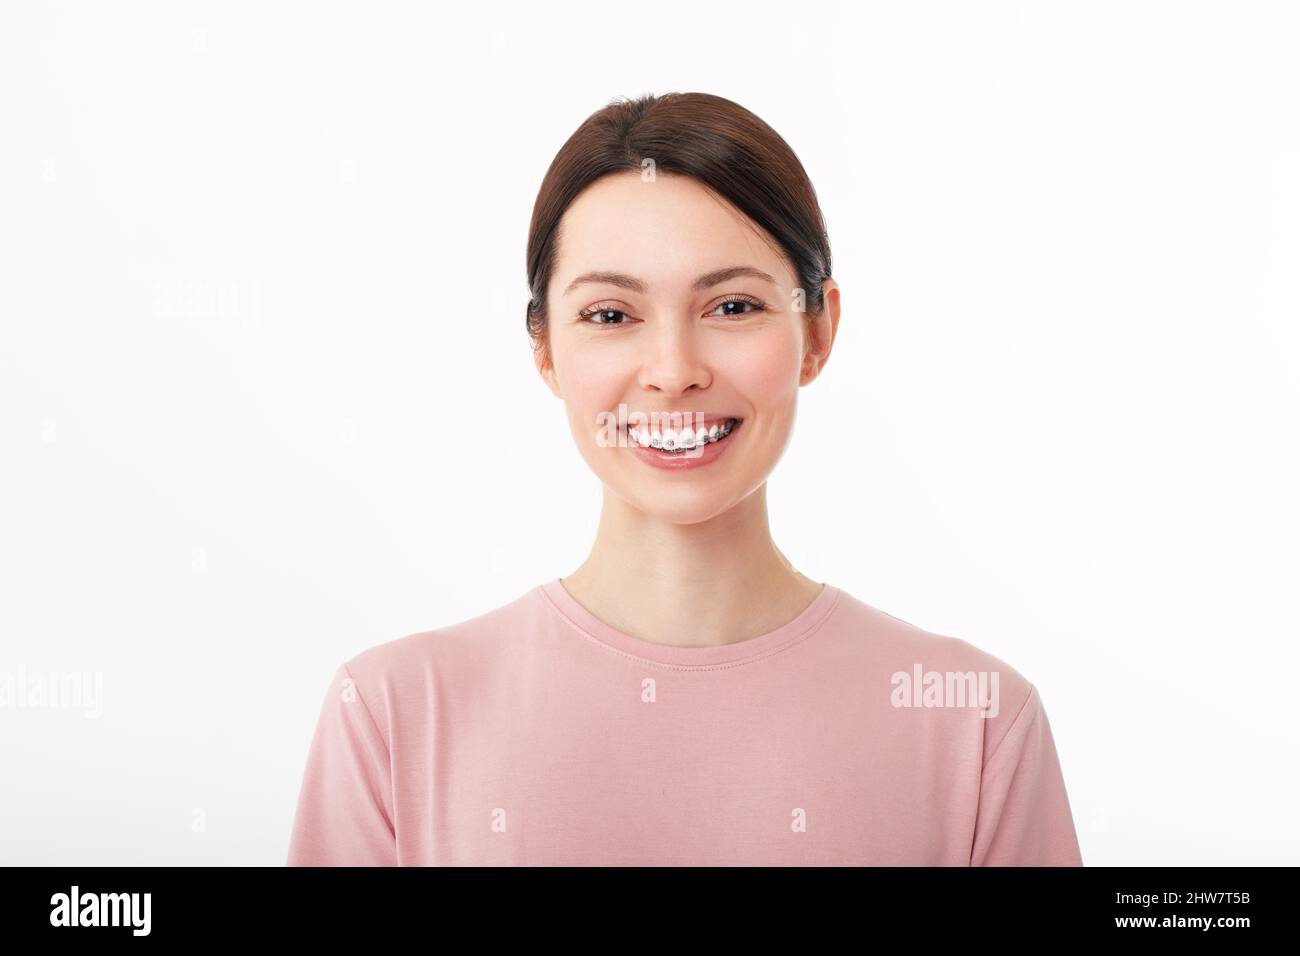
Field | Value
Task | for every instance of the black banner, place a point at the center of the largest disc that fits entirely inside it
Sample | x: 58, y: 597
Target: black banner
x: 216, y: 905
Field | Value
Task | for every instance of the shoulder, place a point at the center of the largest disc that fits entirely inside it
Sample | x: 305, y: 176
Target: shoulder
x: 904, y: 652
x: 447, y: 645
x: 892, y: 637
x: 448, y: 658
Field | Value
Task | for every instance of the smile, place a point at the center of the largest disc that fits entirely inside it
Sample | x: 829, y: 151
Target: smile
x: 683, y: 441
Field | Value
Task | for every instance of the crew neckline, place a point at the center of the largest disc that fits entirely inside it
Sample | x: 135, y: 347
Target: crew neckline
x: 803, y: 625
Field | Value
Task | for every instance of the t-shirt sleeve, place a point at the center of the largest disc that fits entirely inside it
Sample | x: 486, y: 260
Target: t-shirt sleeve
x: 344, y: 815
x: 1024, y: 814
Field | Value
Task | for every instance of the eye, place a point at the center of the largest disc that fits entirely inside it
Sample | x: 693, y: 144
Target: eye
x: 600, y: 316
x: 739, y: 300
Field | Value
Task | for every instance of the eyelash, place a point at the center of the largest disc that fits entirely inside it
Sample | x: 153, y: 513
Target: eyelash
x: 587, y: 313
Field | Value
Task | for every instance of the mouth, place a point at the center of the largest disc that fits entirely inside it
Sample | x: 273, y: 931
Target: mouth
x: 682, y: 441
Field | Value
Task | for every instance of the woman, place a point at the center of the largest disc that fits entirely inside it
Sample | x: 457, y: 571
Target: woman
x: 686, y: 696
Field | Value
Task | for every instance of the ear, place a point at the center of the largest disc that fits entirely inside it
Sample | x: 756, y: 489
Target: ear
x: 546, y: 368
x: 819, y: 333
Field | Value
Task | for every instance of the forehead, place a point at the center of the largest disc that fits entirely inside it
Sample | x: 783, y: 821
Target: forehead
x: 666, y: 231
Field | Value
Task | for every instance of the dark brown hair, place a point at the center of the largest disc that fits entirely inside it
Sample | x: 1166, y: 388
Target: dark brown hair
x: 719, y: 143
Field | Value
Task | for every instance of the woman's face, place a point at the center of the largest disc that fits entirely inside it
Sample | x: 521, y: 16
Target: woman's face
x: 678, y: 335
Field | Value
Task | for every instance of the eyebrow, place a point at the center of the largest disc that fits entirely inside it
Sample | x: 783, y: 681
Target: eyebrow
x: 706, y: 281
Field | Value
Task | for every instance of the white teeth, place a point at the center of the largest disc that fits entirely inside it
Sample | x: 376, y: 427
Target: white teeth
x: 687, y: 439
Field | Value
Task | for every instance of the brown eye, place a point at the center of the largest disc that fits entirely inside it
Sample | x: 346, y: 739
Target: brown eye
x: 601, y: 317
x: 734, y: 306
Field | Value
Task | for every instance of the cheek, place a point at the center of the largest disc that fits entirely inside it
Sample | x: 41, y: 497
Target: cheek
x: 765, y: 367
x: 593, y: 380
x: 762, y: 368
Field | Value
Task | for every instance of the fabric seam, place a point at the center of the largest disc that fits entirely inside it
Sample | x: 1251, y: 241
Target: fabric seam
x: 388, y: 751
x: 997, y: 748
x: 808, y: 632
x: 365, y: 706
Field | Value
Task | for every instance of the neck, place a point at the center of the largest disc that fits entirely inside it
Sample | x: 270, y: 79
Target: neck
x: 702, y: 584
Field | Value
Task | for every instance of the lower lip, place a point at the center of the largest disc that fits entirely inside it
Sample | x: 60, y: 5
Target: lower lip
x: 697, y: 459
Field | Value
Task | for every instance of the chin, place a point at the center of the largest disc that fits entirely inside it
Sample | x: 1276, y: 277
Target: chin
x: 683, y: 506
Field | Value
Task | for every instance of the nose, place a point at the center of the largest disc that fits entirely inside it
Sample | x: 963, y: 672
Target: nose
x: 674, y: 363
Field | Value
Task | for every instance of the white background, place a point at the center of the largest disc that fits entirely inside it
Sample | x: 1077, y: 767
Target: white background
x: 252, y: 256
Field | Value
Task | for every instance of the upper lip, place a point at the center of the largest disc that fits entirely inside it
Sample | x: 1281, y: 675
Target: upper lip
x: 680, y: 419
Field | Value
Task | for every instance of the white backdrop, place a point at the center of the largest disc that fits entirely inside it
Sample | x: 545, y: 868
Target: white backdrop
x: 253, y: 255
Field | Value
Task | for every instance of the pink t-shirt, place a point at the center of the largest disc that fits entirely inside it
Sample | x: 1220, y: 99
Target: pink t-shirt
x: 537, y: 734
